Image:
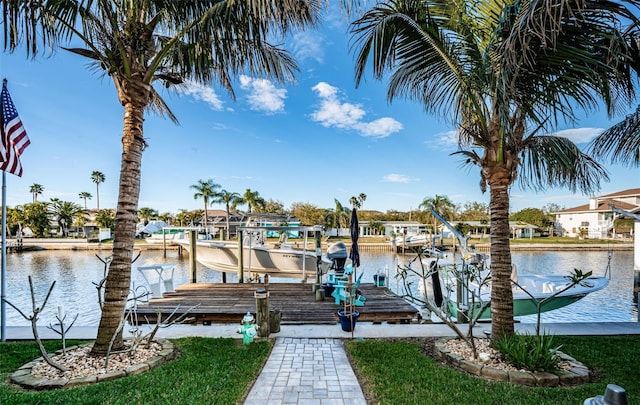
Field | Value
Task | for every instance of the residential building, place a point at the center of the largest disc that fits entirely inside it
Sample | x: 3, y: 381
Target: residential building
x: 595, y: 219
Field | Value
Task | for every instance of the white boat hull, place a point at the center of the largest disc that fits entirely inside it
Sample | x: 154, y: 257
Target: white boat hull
x: 540, y: 288
x: 159, y: 239
x: 277, y: 262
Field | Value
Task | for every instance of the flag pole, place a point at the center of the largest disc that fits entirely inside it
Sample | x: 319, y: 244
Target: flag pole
x: 3, y: 307
x: 3, y: 261
x: 14, y: 141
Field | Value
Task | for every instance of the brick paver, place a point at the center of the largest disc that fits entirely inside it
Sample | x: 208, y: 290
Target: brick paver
x: 307, y: 371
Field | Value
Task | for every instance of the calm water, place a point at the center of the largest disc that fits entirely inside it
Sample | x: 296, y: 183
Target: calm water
x: 75, y: 272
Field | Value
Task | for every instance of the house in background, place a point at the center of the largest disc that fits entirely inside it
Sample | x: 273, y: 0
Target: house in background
x: 595, y: 219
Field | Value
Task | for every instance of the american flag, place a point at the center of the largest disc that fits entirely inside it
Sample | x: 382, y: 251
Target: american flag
x: 14, y: 137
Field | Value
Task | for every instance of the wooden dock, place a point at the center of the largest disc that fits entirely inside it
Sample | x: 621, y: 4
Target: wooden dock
x: 228, y: 303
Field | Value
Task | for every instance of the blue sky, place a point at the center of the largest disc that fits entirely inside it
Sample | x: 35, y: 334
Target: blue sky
x: 314, y: 141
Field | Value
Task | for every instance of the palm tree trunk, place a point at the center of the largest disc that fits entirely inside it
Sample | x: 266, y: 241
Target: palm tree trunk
x: 119, y: 277
x: 501, y: 294
x: 228, y: 223
x: 206, y: 218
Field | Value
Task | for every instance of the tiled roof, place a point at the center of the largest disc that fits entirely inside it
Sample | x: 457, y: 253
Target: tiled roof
x: 624, y: 193
x: 603, y: 206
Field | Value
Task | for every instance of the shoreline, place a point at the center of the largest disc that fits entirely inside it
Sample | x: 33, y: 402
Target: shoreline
x: 31, y: 244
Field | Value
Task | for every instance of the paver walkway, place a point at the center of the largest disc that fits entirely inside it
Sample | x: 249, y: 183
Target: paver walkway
x: 307, y: 371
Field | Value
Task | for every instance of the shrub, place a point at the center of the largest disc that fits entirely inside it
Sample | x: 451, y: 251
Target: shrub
x: 533, y: 353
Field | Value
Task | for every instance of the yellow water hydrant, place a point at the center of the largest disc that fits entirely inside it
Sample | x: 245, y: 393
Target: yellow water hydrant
x: 249, y: 329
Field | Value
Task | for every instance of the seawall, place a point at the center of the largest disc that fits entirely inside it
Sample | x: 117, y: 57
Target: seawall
x: 83, y: 244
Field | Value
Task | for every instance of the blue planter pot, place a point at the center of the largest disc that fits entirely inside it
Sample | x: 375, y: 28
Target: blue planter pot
x: 348, y: 323
x: 380, y: 280
x: 328, y: 289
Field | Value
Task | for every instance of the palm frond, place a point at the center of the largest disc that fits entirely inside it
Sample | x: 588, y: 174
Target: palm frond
x: 431, y: 62
x: 545, y: 34
x: 158, y: 106
x: 620, y: 143
x: 550, y: 161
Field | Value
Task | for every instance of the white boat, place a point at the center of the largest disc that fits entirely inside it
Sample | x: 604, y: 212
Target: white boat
x: 168, y: 236
x: 531, y: 293
x: 281, y: 260
x: 466, y: 285
x: 411, y: 240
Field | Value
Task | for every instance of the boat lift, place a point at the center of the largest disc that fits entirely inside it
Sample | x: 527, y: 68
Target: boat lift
x: 636, y: 250
x: 317, y: 229
x: 462, y: 240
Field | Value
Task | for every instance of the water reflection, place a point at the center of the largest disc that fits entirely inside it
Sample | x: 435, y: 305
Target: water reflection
x: 75, y: 272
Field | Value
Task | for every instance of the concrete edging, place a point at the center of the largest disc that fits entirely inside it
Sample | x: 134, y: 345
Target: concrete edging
x: 25, y: 379
x: 577, y: 374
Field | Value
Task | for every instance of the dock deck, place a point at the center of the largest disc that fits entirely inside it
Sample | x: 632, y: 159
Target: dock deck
x: 228, y: 302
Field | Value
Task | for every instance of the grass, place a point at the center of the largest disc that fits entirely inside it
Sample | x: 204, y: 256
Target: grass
x: 209, y: 371
x: 398, y: 372
x: 220, y: 371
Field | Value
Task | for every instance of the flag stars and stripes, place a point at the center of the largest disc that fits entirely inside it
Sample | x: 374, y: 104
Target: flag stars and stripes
x: 14, y: 137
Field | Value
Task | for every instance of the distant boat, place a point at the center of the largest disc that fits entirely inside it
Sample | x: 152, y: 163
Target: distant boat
x: 282, y: 260
x: 168, y: 236
x: 418, y: 240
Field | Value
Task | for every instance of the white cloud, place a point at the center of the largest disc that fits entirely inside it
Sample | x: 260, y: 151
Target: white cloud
x: 380, y: 128
x: 443, y: 140
x: 449, y: 139
x: 398, y: 178
x: 335, y: 113
x: 307, y: 45
x: 580, y: 135
x: 202, y: 93
x: 263, y: 95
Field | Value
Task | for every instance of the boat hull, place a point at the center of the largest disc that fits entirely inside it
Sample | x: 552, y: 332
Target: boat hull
x: 541, y: 288
x: 276, y: 262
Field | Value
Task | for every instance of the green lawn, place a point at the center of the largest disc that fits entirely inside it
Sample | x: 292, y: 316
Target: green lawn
x: 398, y: 372
x: 209, y: 371
x: 220, y: 371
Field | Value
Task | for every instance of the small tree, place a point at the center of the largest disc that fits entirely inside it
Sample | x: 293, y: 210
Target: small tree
x: 33, y: 319
x: 461, y: 273
x: 36, y: 217
x: 106, y: 218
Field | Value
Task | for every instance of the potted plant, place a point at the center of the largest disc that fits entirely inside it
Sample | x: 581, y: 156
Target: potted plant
x: 348, y: 319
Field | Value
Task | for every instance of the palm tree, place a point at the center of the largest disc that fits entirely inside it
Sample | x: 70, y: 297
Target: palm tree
x: 230, y: 200
x: 356, y: 202
x: 106, y: 218
x: 338, y: 216
x: 207, y: 191
x: 442, y: 204
x: 146, y: 214
x: 64, y: 212
x: 35, y: 189
x: 503, y: 73
x: 253, y: 200
x: 79, y: 220
x: 167, y: 217
x: 140, y: 43
x: 85, y: 196
x: 97, y: 177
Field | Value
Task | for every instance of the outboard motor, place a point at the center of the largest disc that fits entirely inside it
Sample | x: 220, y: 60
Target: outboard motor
x: 337, y: 253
